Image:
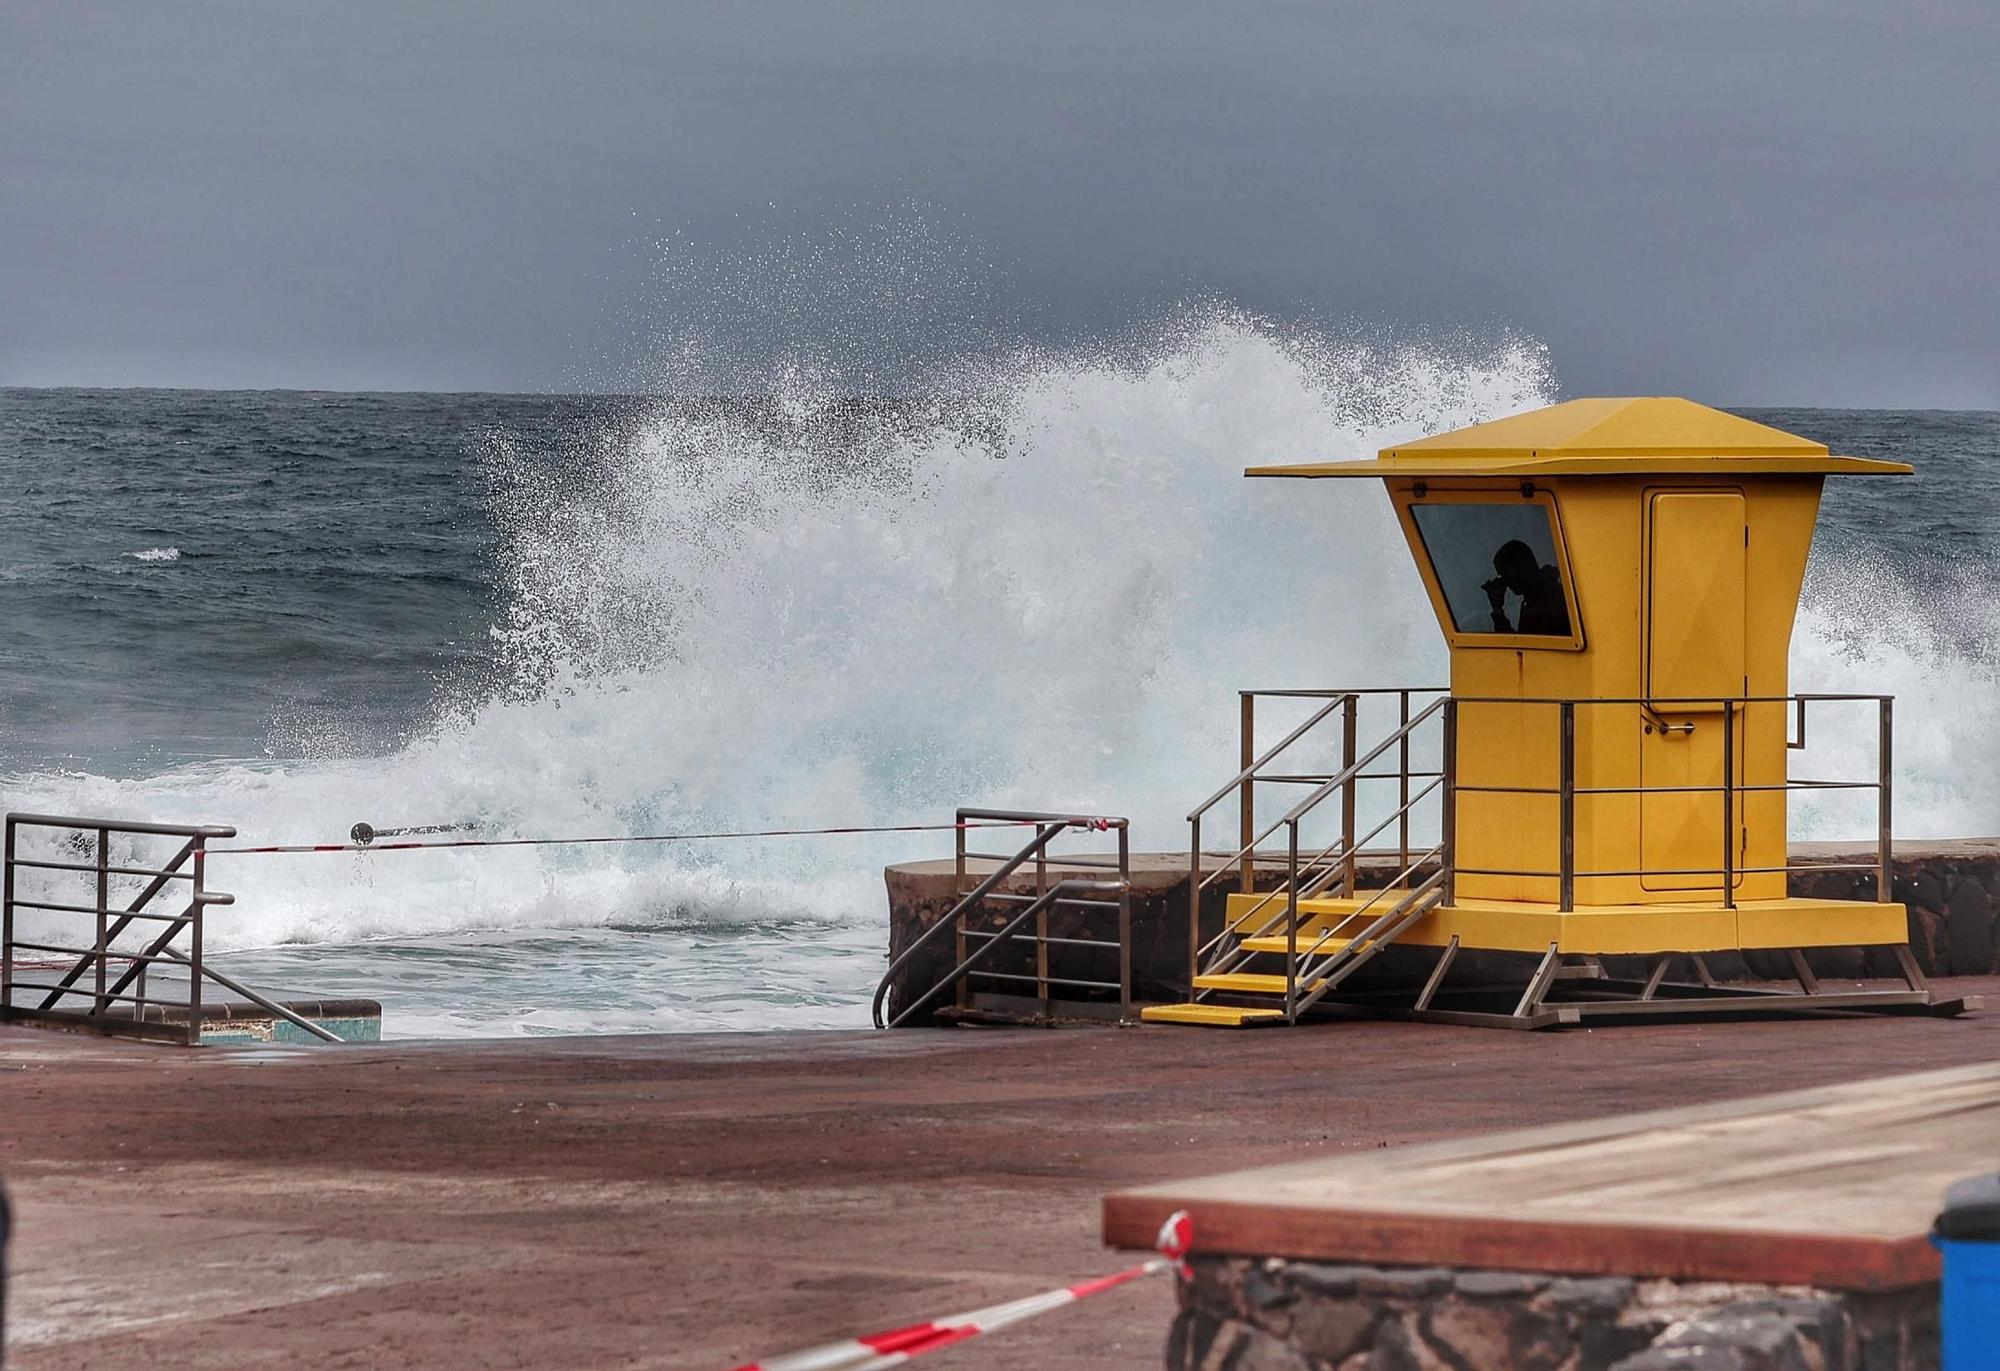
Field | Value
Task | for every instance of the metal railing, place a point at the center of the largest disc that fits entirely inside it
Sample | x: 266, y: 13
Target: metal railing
x: 1331, y: 952
x: 974, y: 947
x: 1732, y: 711
x: 1336, y: 860
x: 105, y: 985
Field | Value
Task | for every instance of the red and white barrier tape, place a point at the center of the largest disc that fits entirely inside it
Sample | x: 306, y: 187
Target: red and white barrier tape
x: 899, y: 1345
x: 1099, y: 825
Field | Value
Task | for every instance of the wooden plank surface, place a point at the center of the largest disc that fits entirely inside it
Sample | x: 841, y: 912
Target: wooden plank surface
x: 1833, y: 1187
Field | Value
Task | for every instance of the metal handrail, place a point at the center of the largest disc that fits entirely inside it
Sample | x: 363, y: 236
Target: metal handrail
x: 1419, y: 901
x: 1303, y: 806
x: 1733, y: 708
x: 1053, y: 895
x: 1336, y: 858
x: 1324, y: 869
x: 1338, y: 781
x: 112, y: 922
x: 1395, y: 883
x: 1048, y: 826
x: 1308, y: 875
x: 1251, y: 770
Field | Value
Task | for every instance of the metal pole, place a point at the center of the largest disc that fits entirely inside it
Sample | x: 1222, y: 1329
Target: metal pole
x: 1348, y: 714
x: 104, y: 921
x: 961, y: 994
x: 1194, y: 901
x: 1885, y: 751
x: 1042, y: 932
x: 1292, y: 921
x: 1729, y: 804
x: 1403, y: 788
x: 1448, y: 822
x: 7, y: 924
x: 1125, y: 924
x: 195, y: 908
x: 1246, y: 804
x: 1566, y: 892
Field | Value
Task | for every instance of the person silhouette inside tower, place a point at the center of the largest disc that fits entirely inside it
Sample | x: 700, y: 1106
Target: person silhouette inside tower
x: 1543, y: 610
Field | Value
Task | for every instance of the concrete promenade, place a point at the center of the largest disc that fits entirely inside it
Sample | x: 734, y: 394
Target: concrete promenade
x: 695, y: 1201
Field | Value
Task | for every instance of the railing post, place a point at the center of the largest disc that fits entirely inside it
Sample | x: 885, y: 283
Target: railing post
x: 961, y: 994
x: 7, y: 924
x: 1448, y: 821
x: 196, y: 907
x: 1349, y: 713
x: 1246, y: 804
x: 1403, y: 789
x: 1885, y: 752
x: 1194, y: 901
x: 99, y: 1004
x: 1041, y: 933
x: 1729, y: 804
x: 1125, y: 924
x: 1566, y: 801
x: 1291, y: 920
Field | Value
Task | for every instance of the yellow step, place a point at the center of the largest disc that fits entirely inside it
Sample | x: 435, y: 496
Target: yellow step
x: 1247, y: 983
x: 1308, y: 943
x: 1210, y: 1015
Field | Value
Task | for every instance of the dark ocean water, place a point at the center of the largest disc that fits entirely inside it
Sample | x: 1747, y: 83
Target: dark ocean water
x: 578, y: 614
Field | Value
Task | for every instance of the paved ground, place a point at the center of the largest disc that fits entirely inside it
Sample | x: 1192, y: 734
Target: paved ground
x: 694, y: 1201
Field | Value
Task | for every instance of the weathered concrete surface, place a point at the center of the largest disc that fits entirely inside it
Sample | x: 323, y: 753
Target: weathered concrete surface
x: 693, y: 1201
x: 1952, y: 888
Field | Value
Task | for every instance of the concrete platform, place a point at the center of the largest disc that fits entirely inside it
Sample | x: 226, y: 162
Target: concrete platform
x: 699, y: 1200
x: 1833, y: 1187
x: 229, y: 1019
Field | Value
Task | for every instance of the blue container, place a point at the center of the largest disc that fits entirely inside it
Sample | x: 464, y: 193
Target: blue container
x: 1967, y: 1232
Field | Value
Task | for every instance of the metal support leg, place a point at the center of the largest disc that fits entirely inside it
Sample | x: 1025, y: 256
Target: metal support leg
x: 1913, y: 975
x: 1445, y: 960
x: 1807, y: 981
x: 1659, y: 974
x: 1538, y: 985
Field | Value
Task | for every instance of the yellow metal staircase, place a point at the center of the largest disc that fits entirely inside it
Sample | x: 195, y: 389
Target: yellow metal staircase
x: 1272, y: 967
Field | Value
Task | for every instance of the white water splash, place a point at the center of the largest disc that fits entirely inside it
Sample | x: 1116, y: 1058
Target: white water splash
x: 1045, y: 595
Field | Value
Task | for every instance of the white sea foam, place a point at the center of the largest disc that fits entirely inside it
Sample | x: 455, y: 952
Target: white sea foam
x: 156, y: 554
x: 1048, y: 599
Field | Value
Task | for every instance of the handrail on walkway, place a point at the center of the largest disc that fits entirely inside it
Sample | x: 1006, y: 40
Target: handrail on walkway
x: 1073, y: 890
x: 117, y: 1004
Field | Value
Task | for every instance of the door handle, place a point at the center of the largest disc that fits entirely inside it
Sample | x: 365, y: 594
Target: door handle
x: 1655, y: 724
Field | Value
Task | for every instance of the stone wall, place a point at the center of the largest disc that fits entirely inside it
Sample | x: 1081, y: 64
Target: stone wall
x: 1952, y: 889
x: 1252, y: 1314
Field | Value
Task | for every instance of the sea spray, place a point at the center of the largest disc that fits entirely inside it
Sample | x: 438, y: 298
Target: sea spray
x: 1041, y: 585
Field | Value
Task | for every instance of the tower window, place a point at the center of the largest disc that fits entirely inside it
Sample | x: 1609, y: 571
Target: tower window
x: 1497, y: 566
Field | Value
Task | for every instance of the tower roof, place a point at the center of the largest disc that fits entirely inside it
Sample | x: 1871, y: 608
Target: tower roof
x: 1605, y: 437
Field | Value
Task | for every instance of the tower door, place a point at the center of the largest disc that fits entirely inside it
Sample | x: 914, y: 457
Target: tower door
x: 1696, y: 554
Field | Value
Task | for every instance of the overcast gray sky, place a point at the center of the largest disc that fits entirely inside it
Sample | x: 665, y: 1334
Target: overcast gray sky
x: 1748, y: 203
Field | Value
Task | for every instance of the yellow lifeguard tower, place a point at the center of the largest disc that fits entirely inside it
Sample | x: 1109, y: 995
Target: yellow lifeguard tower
x: 1617, y: 581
